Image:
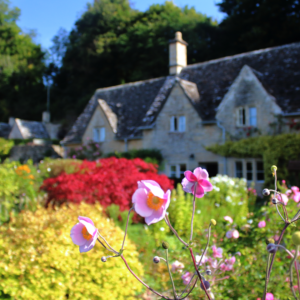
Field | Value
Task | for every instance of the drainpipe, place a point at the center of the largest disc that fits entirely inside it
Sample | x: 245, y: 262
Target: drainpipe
x: 126, y: 144
x: 224, y: 140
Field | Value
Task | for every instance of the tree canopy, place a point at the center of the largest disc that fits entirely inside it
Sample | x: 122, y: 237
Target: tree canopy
x: 21, y: 69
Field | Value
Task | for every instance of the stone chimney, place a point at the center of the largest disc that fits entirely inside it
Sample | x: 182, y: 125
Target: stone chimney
x: 46, y: 117
x: 177, y: 54
x: 11, y: 121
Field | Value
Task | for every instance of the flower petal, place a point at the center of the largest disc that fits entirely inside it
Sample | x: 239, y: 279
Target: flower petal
x: 76, y: 235
x: 155, y: 190
x: 190, y: 176
x: 139, y: 198
x: 201, y: 173
x: 167, y: 197
x: 142, y: 185
x: 88, y: 245
x: 91, y: 229
x: 206, y: 185
x: 187, y: 186
x: 156, y: 216
x: 199, y: 191
x: 86, y: 219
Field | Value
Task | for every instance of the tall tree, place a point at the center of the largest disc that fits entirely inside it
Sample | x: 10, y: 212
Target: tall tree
x: 113, y: 44
x: 22, y: 92
x: 257, y: 24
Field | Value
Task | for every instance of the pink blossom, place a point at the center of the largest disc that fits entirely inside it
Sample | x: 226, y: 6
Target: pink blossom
x: 177, y: 266
x: 150, y: 201
x: 204, y: 259
x: 235, y: 234
x: 269, y: 296
x: 84, y: 234
x: 229, y: 234
x: 196, y: 182
x: 229, y: 219
x: 231, y: 260
x: 296, y: 193
x: 186, y: 277
x: 282, y: 198
x: 262, y: 224
x: 217, y: 252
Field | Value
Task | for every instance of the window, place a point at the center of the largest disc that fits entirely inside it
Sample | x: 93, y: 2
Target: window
x: 238, y: 169
x: 177, y: 124
x: 177, y: 171
x: 260, y: 175
x: 249, y: 171
x: 252, y: 116
x: 99, y: 134
x: 211, y: 167
x: 241, y: 118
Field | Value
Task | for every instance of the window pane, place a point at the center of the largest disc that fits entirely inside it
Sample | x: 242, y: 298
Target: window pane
x: 249, y: 171
x: 238, y: 169
x: 102, y: 134
x: 175, y: 124
x: 172, y: 171
x: 260, y: 175
x: 182, y: 124
x: 172, y: 123
x: 95, y: 135
x: 182, y: 168
x: 211, y: 167
x: 252, y: 116
x: 241, y: 116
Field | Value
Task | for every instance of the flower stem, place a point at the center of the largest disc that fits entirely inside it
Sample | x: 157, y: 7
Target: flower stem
x: 170, y: 274
x: 126, y: 228
x: 198, y: 273
x: 188, y: 286
x: 291, y: 272
x: 174, y: 231
x: 193, y: 213
x: 298, y: 279
x: 267, y: 269
x: 205, y: 249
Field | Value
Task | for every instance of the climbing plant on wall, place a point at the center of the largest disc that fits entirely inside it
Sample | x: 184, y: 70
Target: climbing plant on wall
x: 274, y: 150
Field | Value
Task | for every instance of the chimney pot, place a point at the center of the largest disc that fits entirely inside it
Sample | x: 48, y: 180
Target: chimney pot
x: 46, y: 117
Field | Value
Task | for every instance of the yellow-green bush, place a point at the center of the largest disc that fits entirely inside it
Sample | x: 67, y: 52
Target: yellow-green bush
x: 39, y: 260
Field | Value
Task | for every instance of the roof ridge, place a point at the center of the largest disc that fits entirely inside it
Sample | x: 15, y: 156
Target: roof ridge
x: 253, y: 52
x: 130, y: 84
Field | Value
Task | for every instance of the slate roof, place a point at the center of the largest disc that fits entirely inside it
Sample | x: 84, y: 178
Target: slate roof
x: 32, y: 129
x: 136, y: 105
x: 4, y: 130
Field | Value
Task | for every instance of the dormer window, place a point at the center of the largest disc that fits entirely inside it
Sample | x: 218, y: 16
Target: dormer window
x: 246, y: 116
x: 177, y: 124
x: 99, y: 134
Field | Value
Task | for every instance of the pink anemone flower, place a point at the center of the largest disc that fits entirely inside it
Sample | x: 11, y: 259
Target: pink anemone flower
x: 229, y: 219
x: 177, y: 266
x: 262, y: 224
x: 269, y: 296
x: 150, y: 201
x: 282, y: 198
x: 217, y: 252
x: 197, y: 182
x: 296, y: 193
x: 84, y: 234
x: 186, y: 277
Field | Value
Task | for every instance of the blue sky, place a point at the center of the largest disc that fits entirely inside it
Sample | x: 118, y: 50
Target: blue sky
x: 46, y: 17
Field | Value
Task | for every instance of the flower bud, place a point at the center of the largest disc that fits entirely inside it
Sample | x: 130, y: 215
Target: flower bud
x: 103, y: 259
x: 296, y: 238
x: 208, y: 271
x: 206, y: 284
x: 273, y: 169
x: 271, y: 248
x: 270, y: 241
x: 156, y: 259
x: 213, y: 221
x: 266, y: 192
x: 165, y: 245
x: 275, y: 201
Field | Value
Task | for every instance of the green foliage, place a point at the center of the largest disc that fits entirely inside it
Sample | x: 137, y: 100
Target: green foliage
x: 228, y: 198
x: 22, y: 91
x: 148, y: 155
x: 18, y: 189
x: 274, y: 150
x: 90, y: 151
x: 39, y: 260
x: 5, y: 147
x: 53, y: 167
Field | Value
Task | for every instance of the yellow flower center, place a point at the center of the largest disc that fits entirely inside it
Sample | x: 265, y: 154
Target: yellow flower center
x: 154, y: 202
x: 85, y: 233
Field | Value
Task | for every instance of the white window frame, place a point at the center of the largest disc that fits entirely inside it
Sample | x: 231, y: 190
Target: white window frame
x: 248, y: 117
x: 252, y: 116
x: 252, y: 170
x: 177, y: 124
x: 256, y: 171
x: 99, y: 134
x: 235, y: 168
x: 181, y: 123
x: 178, y: 172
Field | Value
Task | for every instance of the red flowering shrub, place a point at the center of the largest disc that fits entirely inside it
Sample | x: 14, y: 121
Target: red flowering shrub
x: 108, y: 181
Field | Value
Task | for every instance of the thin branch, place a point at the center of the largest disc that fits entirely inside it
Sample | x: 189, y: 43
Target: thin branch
x: 291, y: 272
x: 126, y: 227
x: 174, y: 231
x: 170, y: 274
x: 193, y: 213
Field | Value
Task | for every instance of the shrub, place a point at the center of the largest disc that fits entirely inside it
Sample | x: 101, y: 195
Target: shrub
x: 39, y: 260
x: 18, y: 188
x: 148, y: 155
x: 108, y: 181
x: 89, y: 151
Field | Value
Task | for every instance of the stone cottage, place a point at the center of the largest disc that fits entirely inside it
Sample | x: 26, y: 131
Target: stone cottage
x: 196, y: 106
